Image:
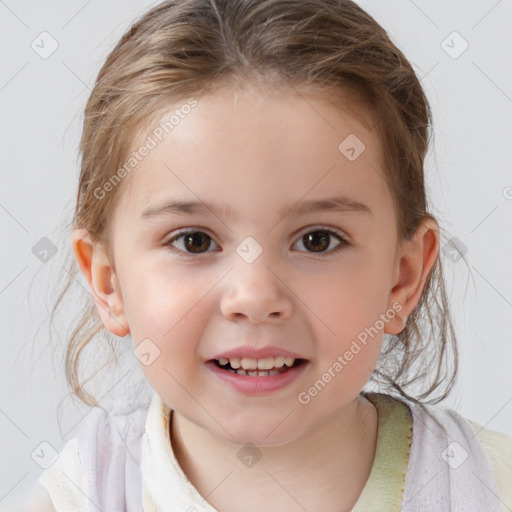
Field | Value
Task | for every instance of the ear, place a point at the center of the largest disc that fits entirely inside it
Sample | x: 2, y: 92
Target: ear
x: 103, y: 281
x: 416, y: 258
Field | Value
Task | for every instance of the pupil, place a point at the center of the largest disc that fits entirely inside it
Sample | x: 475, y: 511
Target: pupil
x: 195, y: 239
x: 323, y: 238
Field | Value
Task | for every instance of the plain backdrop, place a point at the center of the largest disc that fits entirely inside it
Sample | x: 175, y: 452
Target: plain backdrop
x: 461, y: 52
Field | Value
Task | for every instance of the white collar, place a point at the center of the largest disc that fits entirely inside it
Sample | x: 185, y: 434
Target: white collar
x: 166, y: 488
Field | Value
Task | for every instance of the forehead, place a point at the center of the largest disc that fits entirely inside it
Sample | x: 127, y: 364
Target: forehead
x: 251, y: 148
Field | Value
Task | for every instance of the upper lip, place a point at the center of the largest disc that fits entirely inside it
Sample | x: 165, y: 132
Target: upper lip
x: 254, y: 353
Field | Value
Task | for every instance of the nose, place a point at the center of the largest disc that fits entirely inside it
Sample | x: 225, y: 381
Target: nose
x: 256, y: 293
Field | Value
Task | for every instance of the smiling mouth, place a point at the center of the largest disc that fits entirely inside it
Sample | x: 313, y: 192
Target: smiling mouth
x: 247, y: 367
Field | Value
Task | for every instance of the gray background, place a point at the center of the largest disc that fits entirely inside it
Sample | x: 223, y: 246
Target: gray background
x: 469, y: 177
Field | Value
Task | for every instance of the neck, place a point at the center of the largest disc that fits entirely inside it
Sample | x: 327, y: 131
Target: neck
x: 326, y: 467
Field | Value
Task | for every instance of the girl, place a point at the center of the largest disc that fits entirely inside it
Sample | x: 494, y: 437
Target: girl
x: 252, y: 216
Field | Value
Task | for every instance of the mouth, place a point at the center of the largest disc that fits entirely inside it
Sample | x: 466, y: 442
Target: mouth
x: 266, y: 367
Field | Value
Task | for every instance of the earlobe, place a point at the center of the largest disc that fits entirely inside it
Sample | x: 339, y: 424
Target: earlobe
x: 103, y: 282
x: 417, y: 258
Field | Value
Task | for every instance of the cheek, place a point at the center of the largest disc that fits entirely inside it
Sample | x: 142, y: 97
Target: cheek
x: 171, y: 310
x: 163, y: 303
x: 347, y: 311
x: 172, y: 320
x: 349, y: 298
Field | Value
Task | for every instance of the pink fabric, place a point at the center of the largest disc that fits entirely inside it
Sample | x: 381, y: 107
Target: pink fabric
x: 448, y: 468
x: 109, y: 448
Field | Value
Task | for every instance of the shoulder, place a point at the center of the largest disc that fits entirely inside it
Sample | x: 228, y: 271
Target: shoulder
x: 498, y: 447
x: 63, y: 480
x: 38, y: 500
x: 97, y: 453
x: 495, y: 446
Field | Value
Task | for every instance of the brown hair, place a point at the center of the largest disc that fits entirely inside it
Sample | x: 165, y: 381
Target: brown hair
x: 185, y: 48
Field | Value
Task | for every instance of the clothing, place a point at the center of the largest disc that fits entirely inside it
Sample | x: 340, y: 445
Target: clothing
x: 126, y: 463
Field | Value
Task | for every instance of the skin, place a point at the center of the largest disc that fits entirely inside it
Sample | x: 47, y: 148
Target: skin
x: 258, y: 152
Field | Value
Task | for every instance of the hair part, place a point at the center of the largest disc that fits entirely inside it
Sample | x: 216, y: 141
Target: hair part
x: 188, y: 48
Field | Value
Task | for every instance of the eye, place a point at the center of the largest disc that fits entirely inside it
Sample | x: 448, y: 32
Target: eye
x: 320, y: 239
x: 196, y: 242
x: 193, y: 240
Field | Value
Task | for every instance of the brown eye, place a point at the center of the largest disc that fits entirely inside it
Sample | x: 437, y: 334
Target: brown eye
x: 319, y: 240
x: 193, y: 242
x: 196, y: 241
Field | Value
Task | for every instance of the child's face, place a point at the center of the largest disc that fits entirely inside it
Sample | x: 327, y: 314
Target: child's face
x: 258, y: 156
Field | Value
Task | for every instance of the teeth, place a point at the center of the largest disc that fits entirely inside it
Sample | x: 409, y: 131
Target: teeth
x: 278, y: 361
x: 235, y: 362
x: 266, y: 364
x: 248, y: 363
x: 256, y: 373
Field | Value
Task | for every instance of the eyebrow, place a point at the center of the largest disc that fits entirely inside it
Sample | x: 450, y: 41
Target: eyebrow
x: 339, y: 203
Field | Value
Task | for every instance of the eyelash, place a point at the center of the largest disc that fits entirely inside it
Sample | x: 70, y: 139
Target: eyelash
x: 322, y: 229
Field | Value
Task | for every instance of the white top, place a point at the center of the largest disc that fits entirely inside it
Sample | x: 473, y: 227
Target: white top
x: 125, y: 463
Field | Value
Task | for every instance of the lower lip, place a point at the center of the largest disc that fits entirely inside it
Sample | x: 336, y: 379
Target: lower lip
x: 257, y: 385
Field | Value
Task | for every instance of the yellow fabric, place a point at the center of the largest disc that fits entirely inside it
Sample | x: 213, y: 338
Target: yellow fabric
x: 383, y: 490
x: 498, y: 447
x: 385, y: 485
